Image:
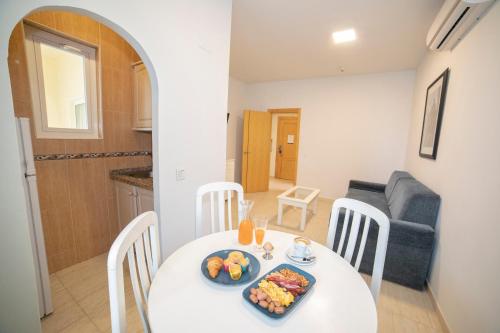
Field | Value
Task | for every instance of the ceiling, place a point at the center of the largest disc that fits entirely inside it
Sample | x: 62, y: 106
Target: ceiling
x: 291, y: 39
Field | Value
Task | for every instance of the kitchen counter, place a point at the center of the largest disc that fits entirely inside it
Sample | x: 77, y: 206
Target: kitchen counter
x: 140, y: 177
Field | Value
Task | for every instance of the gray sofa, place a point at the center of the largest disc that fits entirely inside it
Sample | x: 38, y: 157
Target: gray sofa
x: 412, y: 209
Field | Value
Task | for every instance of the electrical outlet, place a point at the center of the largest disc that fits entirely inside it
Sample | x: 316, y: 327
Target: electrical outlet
x: 180, y: 174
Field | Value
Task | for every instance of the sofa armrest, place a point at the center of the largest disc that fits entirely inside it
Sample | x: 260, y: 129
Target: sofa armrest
x: 411, y: 234
x: 367, y: 186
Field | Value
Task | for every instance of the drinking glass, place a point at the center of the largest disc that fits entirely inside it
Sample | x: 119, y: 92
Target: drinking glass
x: 245, y: 229
x: 260, y: 226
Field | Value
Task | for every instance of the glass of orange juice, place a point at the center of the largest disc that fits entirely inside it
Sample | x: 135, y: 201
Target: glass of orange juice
x: 260, y: 226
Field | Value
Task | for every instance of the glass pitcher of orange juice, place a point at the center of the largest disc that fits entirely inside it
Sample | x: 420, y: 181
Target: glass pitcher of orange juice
x: 245, y: 232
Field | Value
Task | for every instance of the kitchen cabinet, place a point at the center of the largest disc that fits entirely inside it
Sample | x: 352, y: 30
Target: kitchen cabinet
x: 142, y: 99
x: 145, y: 200
x: 131, y: 201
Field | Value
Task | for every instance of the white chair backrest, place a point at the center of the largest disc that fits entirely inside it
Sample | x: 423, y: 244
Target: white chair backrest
x: 224, y: 190
x: 139, y: 240
x: 358, y: 209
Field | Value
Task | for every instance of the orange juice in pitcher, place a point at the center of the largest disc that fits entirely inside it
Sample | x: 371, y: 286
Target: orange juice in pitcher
x: 245, y: 231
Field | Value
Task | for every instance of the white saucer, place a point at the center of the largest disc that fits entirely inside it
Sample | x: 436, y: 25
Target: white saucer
x: 298, y: 261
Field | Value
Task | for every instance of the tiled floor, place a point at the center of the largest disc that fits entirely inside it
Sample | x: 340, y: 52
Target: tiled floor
x: 80, y: 292
x: 280, y: 184
x: 81, y: 301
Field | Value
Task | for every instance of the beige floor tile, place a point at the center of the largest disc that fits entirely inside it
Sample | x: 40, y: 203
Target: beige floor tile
x: 97, y: 301
x: 102, y: 319
x: 279, y: 184
x: 404, y: 325
x: 62, y: 317
x: 83, y: 325
x: 85, y: 278
x: 385, y: 321
x: 55, y: 283
x: 96, y: 306
x: 60, y: 298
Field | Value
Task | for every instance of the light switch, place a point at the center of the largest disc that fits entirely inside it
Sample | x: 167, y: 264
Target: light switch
x: 180, y: 174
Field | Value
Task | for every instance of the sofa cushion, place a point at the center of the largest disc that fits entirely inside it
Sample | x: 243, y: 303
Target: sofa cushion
x: 376, y: 199
x: 393, y: 180
x: 413, y: 201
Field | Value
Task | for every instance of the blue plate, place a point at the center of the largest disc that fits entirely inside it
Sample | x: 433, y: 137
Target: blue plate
x: 224, y: 278
x: 309, y: 277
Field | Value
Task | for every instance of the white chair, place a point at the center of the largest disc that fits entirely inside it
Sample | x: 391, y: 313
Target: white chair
x: 359, y: 209
x: 139, y: 240
x: 224, y: 190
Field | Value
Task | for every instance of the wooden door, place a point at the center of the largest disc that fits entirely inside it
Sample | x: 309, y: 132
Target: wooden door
x: 286, y: 148
x: 256, y: 151
x: 125, y: 203
x: 145, y: 201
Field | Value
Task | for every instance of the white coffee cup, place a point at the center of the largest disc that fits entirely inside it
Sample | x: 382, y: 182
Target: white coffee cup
x: 301, y: 247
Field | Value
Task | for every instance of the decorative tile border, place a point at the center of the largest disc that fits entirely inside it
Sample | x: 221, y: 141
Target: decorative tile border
x: 51, y: 157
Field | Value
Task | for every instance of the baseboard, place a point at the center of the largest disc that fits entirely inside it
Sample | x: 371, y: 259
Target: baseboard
x: 444, y: 324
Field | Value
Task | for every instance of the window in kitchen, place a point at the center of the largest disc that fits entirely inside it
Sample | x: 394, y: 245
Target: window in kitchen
x: 64, y: 89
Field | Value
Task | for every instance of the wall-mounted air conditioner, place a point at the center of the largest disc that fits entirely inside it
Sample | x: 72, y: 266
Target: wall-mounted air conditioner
x: 453, y: 21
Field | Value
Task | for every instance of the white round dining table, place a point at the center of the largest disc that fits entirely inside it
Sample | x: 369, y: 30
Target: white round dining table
x: 183, y: 300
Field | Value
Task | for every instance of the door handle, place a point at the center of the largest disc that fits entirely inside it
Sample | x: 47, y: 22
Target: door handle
x: 280, y: 151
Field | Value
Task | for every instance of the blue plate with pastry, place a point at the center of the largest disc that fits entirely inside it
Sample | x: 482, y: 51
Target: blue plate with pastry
x: 230, y: 267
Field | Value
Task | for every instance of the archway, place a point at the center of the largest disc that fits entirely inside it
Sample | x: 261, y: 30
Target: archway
x: 23, y: 108
x: 187, y: 41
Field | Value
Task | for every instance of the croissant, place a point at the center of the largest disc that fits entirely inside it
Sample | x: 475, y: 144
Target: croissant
x: 214, y: 265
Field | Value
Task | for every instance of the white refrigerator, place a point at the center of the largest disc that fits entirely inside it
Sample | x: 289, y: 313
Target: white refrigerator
x: 34, y: 215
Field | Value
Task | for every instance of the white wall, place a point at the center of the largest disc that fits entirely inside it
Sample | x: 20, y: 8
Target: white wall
x: 465, y: 272
x: 352, y: 127
x: 185, y: 45
x: 235, y: 106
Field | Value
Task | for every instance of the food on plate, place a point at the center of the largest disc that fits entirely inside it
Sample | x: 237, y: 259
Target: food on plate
x: 278, y: 290
x: 264, y: 304
x: 214, y: 265
x: 288, y: 273
x: 236, y: 257
x: 261, y: 295
x: 275, y: 292
x: 279, y: 310
x: 244, y: 263
x: 235, y: 265
x: 292, y: 281
x: 235, y: 271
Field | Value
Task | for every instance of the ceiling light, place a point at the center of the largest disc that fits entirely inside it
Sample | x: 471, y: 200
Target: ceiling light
x: 344, y: 36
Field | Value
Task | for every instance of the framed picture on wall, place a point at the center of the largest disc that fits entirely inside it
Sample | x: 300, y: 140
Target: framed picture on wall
x: 433, y: 115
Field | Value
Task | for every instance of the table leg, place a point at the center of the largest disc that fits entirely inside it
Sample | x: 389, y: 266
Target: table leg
x: 280, y: 212
x: 315, y: 205
x: 303, y: 218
